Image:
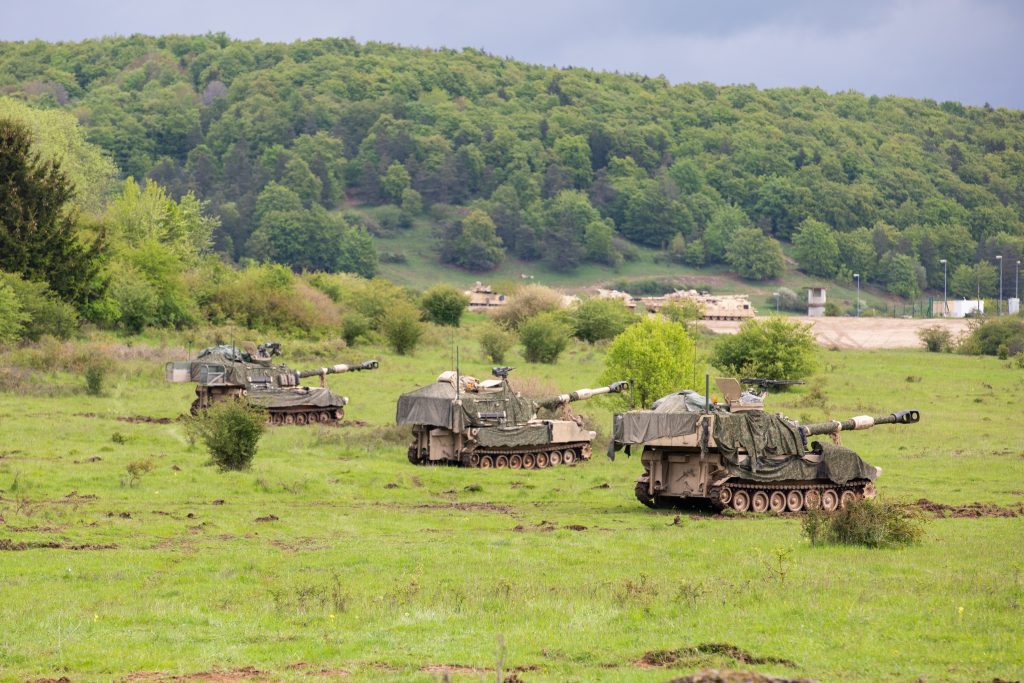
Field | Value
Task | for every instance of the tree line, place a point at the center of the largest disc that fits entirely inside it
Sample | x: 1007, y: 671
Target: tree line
x: 556, y: 165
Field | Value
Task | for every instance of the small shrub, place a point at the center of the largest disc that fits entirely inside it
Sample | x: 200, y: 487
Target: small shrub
x: 772, y: 348
x: 936, y: 338
x: 353, y: 326
x: 496, y: 342
x: 444, y: 305
x: 119, y: 437
x: 598, y: 319
x: 231, y: 431
x: 526, y: 303
x: 1003, y: 352
x: 401, y: 325
x: 870, y: 523
x: 544, y: 337
x: 136, y: 469
x: 95, y: 373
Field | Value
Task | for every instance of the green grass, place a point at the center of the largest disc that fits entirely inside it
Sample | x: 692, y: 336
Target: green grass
x: 382, y: 569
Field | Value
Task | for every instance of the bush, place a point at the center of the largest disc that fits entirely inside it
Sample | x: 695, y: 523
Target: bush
x: 597, y: 319
x: 12, y: 318
x: 136, y: 469
x: 987, y: 337
x: 353, y: 326
x: 271, y: 297
x: 544, y: 337
x: 936, y: 338
x: 788, y: 300
x: 658, y: 355
x: 772, y: 348
x: 870, y: 523
x: 527, y: 302
x: 95, y: 373
x: 444, y: 305
x: 231, y: 431
x: 401, y: 325
x: 495, y: 341
x: 46, y: 313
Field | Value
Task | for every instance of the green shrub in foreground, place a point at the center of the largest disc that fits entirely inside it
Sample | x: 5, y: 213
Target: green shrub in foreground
x: 231, y: 431
x: 544, y: 337
x: 495, y: 341
x: 870, y: 523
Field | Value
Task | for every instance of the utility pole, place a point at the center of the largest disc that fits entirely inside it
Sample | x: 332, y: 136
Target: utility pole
x: 856, y: 276
x: 1000, y: 259
x: 945, y: 305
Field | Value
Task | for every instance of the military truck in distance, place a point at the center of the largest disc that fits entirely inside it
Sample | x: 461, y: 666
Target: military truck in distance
x: 459, y: 420
x: 739, y: 456
x: 227, y: 372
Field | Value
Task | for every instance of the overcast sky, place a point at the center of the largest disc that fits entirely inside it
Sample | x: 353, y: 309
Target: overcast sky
x: 966, y: 50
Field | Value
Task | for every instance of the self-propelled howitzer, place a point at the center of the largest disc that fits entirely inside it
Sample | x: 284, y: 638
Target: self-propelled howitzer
x: 226, y: 372
x: 459, y: 420
x: 742, y: 457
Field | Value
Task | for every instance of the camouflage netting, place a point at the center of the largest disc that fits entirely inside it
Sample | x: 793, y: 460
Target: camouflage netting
x: 435, y: 405
x: 508, y: 437
x: 296, y: 397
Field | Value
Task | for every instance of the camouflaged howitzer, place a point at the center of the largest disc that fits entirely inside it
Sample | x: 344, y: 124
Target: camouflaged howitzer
x: 226, y: 372
x: 459, y: 420
x: 739, y: 456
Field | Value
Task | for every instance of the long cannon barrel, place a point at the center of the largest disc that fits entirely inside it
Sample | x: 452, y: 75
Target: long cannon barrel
x: 335, y: 369
x: 583, y: 394
x: 900, y: 417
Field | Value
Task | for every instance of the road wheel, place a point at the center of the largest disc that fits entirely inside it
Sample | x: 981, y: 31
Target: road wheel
x: 725, y: 496
x: 542, y: 460
x: 529, y: 461
x: 474, y: 460
x: 325, y: 417
x: 846, y: 498
x: 569, y: 456
x: 812, y: 500
x: 555, y: 458
x: 794, y: 501
x: 501, y: 461
x: 289, y: 419
x: 759, y: 503
x: 740, y: 501
x: 777, y: 501
x: 515, y: 461
x: 300, y: 418
x: 829, y: 500
x: 486, y: 462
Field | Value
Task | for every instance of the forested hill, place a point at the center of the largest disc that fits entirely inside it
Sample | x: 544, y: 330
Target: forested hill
x: 561, y: 163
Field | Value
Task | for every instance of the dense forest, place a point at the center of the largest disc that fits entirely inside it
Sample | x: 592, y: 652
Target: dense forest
x: 563, y: 165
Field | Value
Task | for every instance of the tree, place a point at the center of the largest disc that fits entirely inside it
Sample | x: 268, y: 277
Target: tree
x: 725, y: 223
x: 597, y: 319
x: 544, y: 337
x: 12, y: 318
x: 475, y: 244
x: 401, y: 325
x: 754, y: 255
x: 566, y: 218
x: 395, y: 181
x: 658, y: 355
x: 816, y: 249
x: 970, y: 282
x: 495, y: 342
x: 444, y: 305
x: 771, y: 348
x: 39, y: 236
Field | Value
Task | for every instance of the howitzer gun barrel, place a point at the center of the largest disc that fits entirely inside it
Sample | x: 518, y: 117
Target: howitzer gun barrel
x: 335, y: 369
x: 900, y: 417
x: 583, y: 394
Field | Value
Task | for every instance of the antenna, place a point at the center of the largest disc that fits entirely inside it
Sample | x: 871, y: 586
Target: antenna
x: 458, y: 377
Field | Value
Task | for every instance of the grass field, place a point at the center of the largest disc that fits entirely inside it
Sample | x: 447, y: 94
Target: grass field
x: 334, y: 559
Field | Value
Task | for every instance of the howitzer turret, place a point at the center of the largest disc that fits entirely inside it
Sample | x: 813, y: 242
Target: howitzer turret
x: 459, y: 420
x: 223, y: 372
x: 742, y: 457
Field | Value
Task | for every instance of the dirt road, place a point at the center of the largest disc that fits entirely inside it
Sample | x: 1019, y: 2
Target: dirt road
x: 862, y: 333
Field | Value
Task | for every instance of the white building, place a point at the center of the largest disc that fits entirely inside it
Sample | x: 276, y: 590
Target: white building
x: 958, y: 308
x: 816, y: 301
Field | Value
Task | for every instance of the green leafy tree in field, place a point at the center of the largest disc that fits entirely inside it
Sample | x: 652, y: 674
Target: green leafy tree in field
x: 597, y: 319
x: 38, y: 232
x: 475, y: 244
x: 772, y: 348
x: 968, y: 281
x: 12, y: 318
x: 402, y: 327
x: 726, y: 223
x: 573, y: 155
x: 566, y: 218
x: 395, y: 181
x: 754, y: 255
x: 44, y: 312
x: 495, y: 342
x: 444, y: 305
x: 231, y: 431
x: 544, y: 337
x: 816, y: 249
x: 903, y: 274
x: 658, y: 355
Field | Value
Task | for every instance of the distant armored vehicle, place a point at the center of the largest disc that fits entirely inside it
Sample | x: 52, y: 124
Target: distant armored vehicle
x: 742, y: 457
x: 226, y: 372
x: 459, y: 420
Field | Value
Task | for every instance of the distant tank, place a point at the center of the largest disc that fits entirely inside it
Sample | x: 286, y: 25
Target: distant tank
x: 223, y: 372
x: 459, y: 420
x: 739, y: 456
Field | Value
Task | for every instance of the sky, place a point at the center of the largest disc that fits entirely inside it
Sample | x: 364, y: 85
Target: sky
x: 970, y: 51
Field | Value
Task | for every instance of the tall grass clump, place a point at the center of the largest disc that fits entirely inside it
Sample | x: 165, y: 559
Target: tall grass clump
x: 231, y: 431
x: 871, y: 523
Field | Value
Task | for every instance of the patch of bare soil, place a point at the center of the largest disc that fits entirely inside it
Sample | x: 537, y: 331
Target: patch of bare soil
x: 133, y: 419
x: 969, y: 511
x: 467, y: 507
x: 62, y: 679
x: 267, y: 518
x: 298, y: 544
x: 476, y: 671
x: 703, y: 654
x: 245, y: 673
x: 728, y: 676
x: 353, y: 423
x: 547, y: 526
x: 75, y: 498
x: 8, y: 544
x: 94, y: 458
x: 312, y: 670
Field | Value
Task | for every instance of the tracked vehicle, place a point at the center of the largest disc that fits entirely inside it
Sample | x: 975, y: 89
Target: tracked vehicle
x: 739, y: 456
x: 461, y: 421
x: 226, y: 372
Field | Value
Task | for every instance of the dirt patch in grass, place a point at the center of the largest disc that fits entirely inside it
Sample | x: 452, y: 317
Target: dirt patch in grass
x: 8, y: 544
x: 298, y: 545
x: 700, y: 655
x: 245, y: 673
x: 475, y: 670
x: 74, y: 498
x: 133, y: 419
x: 468, y: 507
x: 729, y: 676
x: 313, y: 670
x: 62, y: 679
x: 969, y: 511
x: 547, y: 526
x: 267, y: 518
